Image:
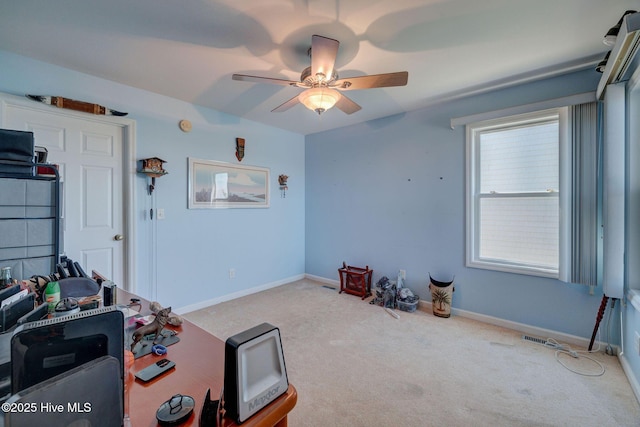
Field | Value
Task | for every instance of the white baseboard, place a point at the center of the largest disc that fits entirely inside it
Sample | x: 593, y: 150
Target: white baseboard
x: 520, y: 327
x: 322, y: 280
x: 422, y: 305
x: 242, y: 293
x: 633, y: 381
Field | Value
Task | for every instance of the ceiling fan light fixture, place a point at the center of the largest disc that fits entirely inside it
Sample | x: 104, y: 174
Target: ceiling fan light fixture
x: 319, y: 99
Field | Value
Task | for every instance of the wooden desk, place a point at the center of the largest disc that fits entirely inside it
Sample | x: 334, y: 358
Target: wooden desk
x: 199, y: 358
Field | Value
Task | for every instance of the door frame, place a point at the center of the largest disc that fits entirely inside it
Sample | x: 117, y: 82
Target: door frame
x: 129, y: 170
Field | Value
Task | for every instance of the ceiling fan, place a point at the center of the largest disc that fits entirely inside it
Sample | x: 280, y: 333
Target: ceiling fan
x: 323, y: 87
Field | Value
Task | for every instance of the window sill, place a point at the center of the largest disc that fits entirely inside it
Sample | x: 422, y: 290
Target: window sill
x: 633, y: 296
x: 510, y: 268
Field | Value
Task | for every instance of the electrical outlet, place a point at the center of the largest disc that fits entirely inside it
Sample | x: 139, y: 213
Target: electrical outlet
x: 637, y: 343
x: 403, y: 274
x: 232, y: 273
x: 160, y: 213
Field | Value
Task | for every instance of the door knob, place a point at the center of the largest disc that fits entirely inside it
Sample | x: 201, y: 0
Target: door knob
x: 118, y: 237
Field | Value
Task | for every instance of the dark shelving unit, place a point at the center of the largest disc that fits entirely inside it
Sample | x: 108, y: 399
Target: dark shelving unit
x: 29, y: 219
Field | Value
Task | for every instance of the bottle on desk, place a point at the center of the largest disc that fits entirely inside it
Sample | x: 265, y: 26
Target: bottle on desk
x: 5, y: 278
x: 52, y: 295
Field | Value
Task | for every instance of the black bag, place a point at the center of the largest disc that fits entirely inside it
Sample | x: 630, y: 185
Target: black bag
x: 77, y: 287
x: 17, y: 152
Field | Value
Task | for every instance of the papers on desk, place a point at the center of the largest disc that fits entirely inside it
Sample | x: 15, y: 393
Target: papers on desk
x: 14, y: 307
x: 13, y: 298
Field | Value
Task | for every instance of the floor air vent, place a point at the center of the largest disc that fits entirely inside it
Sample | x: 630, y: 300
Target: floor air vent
x: 534, y: 339
x: 329, y: 287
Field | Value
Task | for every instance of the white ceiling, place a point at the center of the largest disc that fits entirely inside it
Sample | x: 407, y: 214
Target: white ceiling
x: 188, y: 49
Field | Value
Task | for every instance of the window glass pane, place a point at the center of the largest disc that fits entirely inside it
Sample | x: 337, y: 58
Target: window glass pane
x: 520, y: 159
x: 520, y: 230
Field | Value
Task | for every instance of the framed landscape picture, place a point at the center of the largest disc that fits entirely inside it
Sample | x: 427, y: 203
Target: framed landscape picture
x: 215, y: 185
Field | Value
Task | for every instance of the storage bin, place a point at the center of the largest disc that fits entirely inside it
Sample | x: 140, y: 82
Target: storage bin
x: 409, y: 305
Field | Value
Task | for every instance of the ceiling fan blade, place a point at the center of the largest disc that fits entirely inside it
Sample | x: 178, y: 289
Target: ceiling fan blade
x: 368, y: 82
x: 346, y: 105
x: 323, y: 55
x: 284, y: 107
x: 257, y: 79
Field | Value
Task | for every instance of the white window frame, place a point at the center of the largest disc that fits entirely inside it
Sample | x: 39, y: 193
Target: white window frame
x: 473, y: 197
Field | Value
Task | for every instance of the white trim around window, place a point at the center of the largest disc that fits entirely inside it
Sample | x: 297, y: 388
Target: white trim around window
x: 554, y: 197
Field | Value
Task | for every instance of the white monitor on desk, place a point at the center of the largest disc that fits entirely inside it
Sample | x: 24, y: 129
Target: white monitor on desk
x: 255, y: 373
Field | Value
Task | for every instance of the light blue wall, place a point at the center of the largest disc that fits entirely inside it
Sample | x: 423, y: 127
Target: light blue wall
x: 390, y: 194
x: 194, y: 248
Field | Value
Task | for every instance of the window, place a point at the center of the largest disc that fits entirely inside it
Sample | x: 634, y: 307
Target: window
x: 514, y: 183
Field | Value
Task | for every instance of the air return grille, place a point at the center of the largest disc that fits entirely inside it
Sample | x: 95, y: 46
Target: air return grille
x: 534, y: 339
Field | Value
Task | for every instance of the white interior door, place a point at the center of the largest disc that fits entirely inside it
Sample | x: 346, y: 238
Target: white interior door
x: 89, y: 153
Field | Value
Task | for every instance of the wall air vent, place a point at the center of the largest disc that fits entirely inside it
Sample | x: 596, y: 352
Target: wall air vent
x: 623, y: 59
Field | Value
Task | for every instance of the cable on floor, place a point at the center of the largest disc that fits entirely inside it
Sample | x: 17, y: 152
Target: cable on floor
x: 567, y: 350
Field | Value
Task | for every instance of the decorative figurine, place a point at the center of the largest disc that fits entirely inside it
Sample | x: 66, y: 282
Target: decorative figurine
x: 174, y: 320
x: 154, y: 327
x: 239, y: 149
x: 282, y: 180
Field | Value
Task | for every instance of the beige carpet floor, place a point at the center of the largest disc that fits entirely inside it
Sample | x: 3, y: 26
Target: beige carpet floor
x: 353, y: 364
